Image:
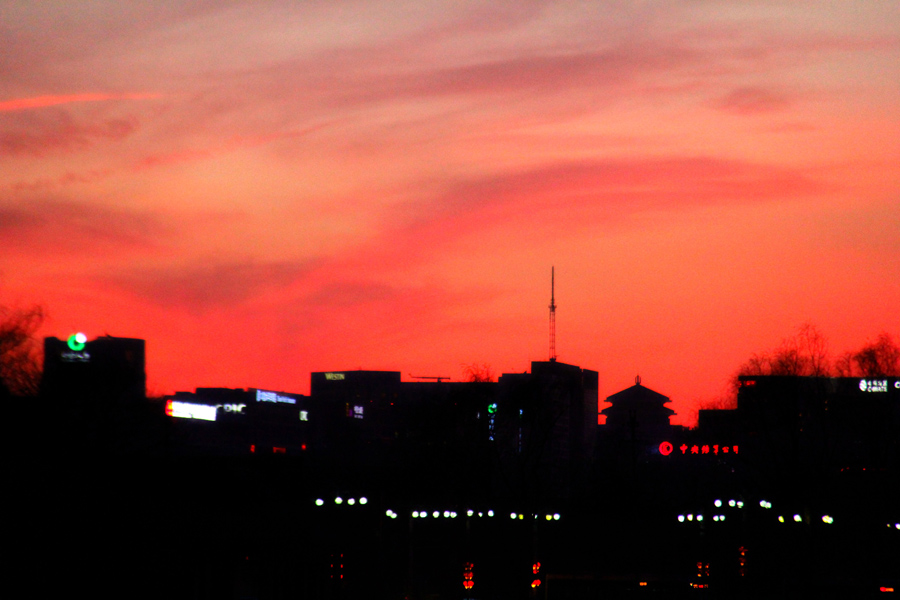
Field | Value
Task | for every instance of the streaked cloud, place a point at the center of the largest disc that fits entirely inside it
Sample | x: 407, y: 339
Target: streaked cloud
x: 64, y: 228
x: 38, y: 136
x: 201, y: 287
x: 19, y: 104
x: 752, y: 100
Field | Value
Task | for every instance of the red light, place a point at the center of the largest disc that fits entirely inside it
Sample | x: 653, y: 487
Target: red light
x: 168, y: 408
x: 535, y: 568
x: 536, y: 583
x: 278, y: 450
x: 468, y: 582
x: 665, y: 448
x: 885, y: 589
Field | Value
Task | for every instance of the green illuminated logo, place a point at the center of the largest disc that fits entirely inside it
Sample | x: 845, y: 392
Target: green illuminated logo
x: 76, y: 342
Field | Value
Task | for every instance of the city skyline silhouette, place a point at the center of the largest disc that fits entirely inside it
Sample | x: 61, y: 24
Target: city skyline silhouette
x: 262, y: 192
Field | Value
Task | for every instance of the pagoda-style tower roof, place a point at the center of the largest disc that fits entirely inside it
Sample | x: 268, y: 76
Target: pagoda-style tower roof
x: 640, y: 402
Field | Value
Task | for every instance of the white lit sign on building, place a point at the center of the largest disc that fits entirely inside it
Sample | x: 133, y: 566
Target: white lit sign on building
x: 232, y: 408
x: 264, y: 396
x: 76, y: 356
x: 875, y: 385
x: 189, y: 410
x: 304, y: 415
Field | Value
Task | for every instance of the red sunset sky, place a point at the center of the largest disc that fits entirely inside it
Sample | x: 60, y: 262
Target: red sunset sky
x: 261, y: 190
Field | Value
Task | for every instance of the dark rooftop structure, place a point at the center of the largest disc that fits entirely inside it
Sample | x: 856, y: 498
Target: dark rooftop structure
x: 637, y: 411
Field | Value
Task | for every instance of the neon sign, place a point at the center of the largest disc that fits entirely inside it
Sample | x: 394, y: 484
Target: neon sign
x: 189, y: 410
x: 264, y: 396
x: 304, y: 415
x: 334, y: 376
x: 492, y: 417
x: 875, y: 385
x: 666, y: 448
x: 232, y: 408
x: 76, y: 342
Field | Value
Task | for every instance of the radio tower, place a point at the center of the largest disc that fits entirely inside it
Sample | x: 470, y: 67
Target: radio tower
x: 552, y: 315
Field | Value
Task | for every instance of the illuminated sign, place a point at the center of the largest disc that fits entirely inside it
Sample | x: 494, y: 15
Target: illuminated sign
x: 76, y: 344
x: 232, y: 408
x: 492, y: 417
x: 334, y: 376
x: 357, y: 412
x: 666, y: 448
x: 189, y: 410
x: 875, y: 385
x: 304, y: 415
x: 264, y: 396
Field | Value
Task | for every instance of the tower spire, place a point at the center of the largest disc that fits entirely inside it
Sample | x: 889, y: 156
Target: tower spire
x: 552, y: 314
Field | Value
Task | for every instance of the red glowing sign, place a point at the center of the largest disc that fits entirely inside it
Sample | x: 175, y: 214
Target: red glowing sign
x: 666, y: 449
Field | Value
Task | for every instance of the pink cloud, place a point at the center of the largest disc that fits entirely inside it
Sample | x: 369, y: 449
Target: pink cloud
x: 18, y: 104
x: 752, y: 101
x: 202, y: 287
x: 67, y: 229
x: 39, y: 136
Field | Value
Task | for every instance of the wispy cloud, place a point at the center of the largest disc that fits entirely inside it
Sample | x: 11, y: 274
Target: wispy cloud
x: 38, y: 136
x: 65, y: 228
x: 752, y: 101
x: 19, y: 104
x: 201, y: 287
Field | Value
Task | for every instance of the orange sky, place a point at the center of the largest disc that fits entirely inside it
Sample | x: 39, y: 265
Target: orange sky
x: 262, y: 190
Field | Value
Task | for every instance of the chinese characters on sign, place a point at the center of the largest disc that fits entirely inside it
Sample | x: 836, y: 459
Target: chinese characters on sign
x: 666, y: 448
x: 875, y: 385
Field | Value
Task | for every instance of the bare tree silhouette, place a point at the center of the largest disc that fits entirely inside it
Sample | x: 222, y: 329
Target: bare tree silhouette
x: 806, y: 353
x: 478, y: 373
x: 20, y: 370
x: 880, y: 358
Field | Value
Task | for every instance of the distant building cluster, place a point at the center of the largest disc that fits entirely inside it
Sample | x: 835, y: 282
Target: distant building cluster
x: 533, y: 434
x: 793, y: 450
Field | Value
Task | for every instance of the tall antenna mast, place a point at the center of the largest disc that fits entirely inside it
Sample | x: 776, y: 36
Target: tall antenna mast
x: 552, y: 314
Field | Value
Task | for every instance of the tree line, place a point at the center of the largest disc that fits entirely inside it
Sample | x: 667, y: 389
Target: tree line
x: 806, y: 353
